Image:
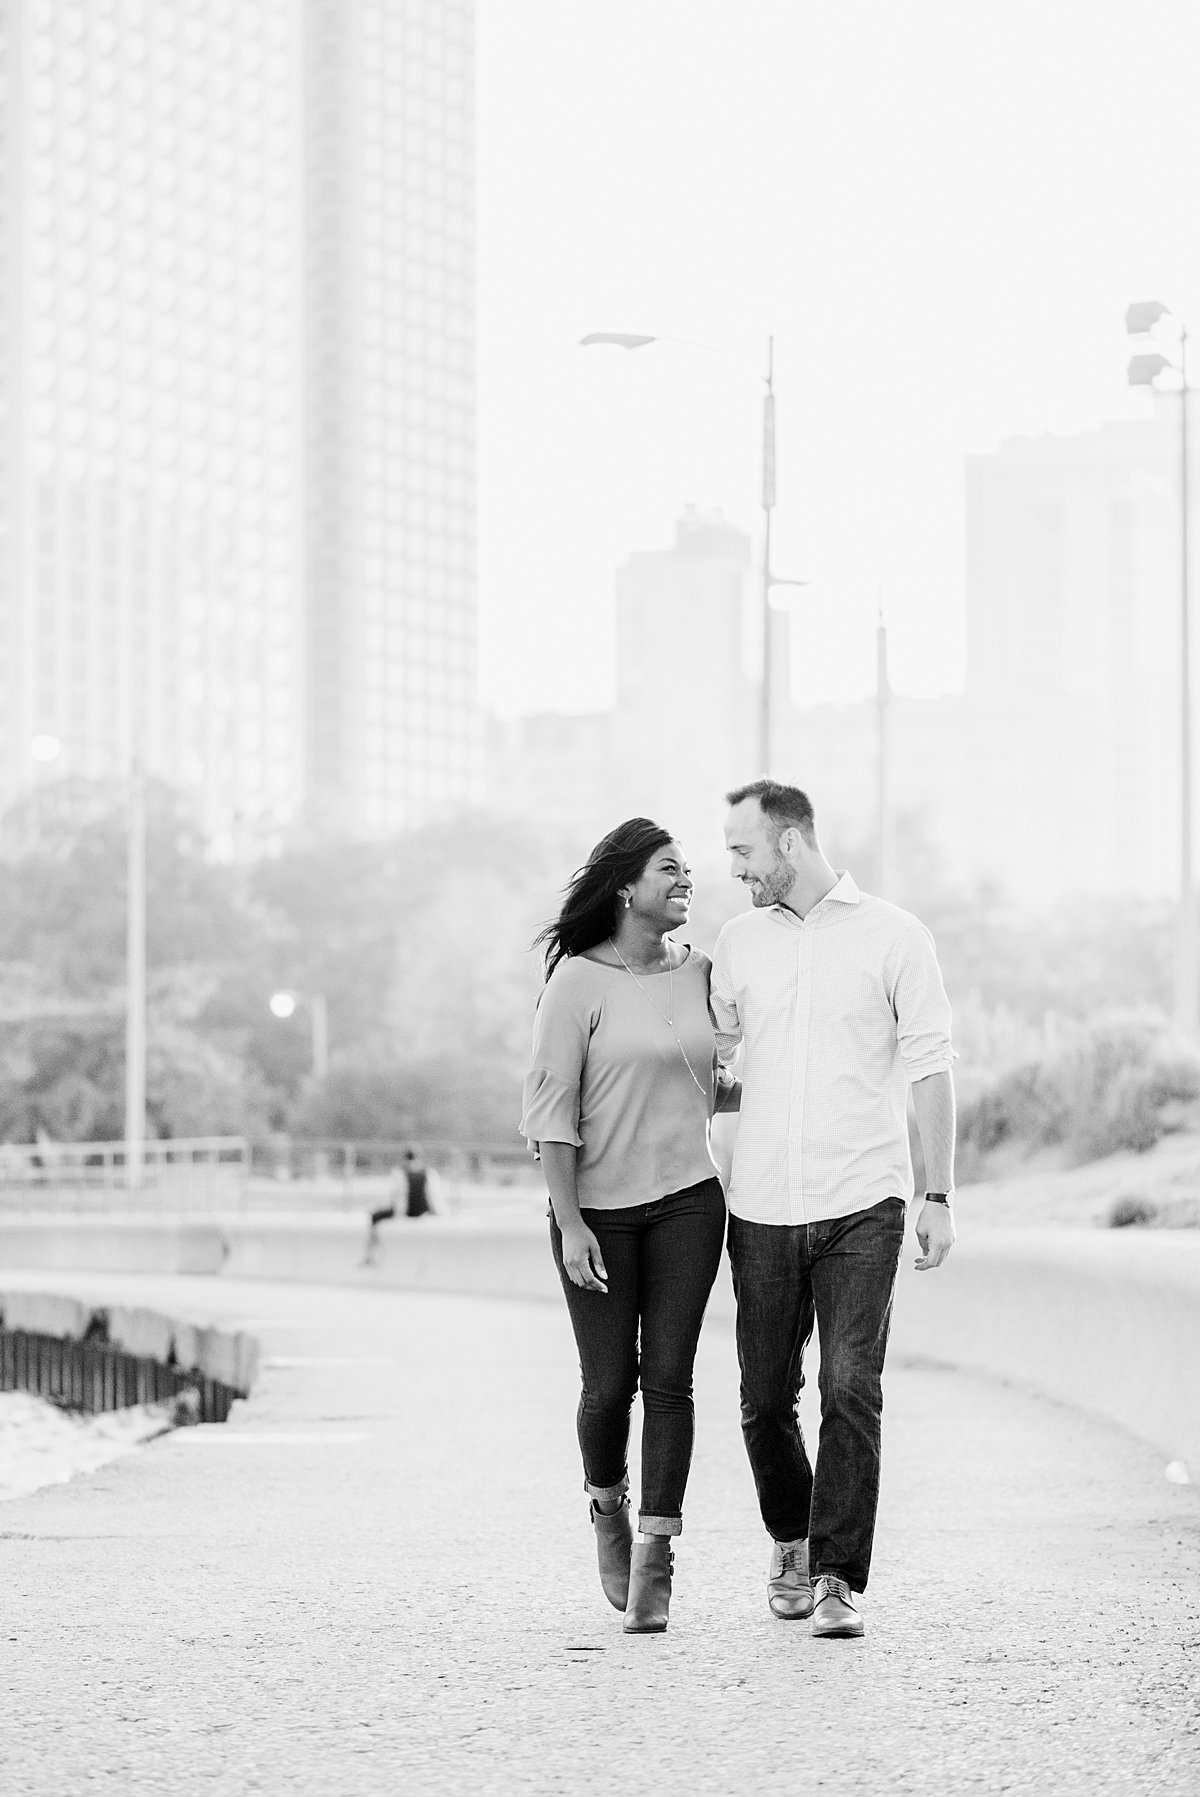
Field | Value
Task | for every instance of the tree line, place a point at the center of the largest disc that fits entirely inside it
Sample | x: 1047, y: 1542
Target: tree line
x: 420, y: 948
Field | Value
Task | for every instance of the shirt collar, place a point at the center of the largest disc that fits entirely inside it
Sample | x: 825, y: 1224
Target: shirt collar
x: 846, y: 891
x: 843, y: 892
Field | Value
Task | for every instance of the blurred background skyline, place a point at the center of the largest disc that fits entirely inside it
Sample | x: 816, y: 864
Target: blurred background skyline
x: 323, y: 540
x: 941, y: 213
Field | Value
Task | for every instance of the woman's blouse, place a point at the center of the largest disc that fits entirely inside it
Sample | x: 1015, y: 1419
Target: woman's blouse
x: 608, y: 1076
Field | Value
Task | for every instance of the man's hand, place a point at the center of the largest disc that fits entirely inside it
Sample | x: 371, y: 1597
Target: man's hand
x: 582, y: 1258
x: 936, y: 1233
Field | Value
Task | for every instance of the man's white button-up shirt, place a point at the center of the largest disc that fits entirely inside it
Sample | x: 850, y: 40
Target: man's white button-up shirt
x: 837, y: 1012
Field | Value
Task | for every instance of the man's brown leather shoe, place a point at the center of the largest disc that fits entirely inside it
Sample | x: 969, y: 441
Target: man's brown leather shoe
x: 835, y: 1614
x: 789, y: 1592
x: 614, y: 1538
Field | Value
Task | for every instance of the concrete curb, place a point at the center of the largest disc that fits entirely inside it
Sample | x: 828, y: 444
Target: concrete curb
x: 1106, y: 1321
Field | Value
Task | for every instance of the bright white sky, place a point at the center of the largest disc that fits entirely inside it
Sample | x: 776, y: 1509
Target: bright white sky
x: 941, y: 209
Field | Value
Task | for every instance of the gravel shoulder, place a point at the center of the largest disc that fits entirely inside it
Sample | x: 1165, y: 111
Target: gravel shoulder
x: 1163, y: 1183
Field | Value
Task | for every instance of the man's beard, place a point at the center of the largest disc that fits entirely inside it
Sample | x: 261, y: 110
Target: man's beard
x: 774, y: 886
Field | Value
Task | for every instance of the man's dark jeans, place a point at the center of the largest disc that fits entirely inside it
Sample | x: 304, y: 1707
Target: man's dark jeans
x: 661, y: 1259
x: 842, y: 1273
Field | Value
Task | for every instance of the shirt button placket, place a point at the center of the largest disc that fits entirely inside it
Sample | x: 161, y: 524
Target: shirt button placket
x: 798, y: 1209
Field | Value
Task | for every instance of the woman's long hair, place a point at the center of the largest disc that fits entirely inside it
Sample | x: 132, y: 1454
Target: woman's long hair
x: 589, y: 909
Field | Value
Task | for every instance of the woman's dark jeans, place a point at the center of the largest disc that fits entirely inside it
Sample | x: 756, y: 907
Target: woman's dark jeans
x: 661, y: 1259
x: 842, y: 1272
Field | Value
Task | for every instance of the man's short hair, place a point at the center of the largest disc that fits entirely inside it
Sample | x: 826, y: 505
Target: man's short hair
x: 787, y: 807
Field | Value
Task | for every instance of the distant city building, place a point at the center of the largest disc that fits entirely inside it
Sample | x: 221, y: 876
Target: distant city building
x: 685, y: 701
x: 236, y: 470
x: 555, y: 770
x: 682, y: 727
x: 1073, y: 656
x: 832, y: 751
x: 1055, y: 773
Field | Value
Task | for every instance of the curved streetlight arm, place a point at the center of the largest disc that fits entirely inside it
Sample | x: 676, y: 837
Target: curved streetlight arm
x: 634, y: 340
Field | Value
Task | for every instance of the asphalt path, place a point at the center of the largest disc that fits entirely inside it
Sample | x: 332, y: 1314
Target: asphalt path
x: 378, y: 1577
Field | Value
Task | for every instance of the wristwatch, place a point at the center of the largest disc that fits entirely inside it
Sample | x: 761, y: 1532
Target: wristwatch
x: 938, y: 1198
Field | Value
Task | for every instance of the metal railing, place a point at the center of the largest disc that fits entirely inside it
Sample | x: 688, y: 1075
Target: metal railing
x: 294, y: 1173
x: 185, y: 1173
x: 211, y: 1174
x: 94, y: 1376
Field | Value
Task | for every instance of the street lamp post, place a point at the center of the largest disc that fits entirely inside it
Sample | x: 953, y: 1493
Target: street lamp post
x: 770, y: 580
x: 284, y: 1005
x: 46, y: 748
x: 135, y: 980
x: 1144, y: 370
x: 883, y: 760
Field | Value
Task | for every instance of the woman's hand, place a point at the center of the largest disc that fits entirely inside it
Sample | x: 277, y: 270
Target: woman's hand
x: 727, y: 1092
x: 582, y: 1258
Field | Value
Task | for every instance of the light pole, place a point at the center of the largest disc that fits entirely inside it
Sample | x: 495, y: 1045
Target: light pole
x: 1144, y: 369
x: 46, y: 748
x: 284, y: 1005
x: 770, y: 580
x: 883, y: 758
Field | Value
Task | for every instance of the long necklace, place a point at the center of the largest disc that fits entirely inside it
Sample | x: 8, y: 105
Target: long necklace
x: 668, y: 1020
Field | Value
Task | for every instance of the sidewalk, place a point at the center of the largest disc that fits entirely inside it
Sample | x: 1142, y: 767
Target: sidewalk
x: 377, y: 1578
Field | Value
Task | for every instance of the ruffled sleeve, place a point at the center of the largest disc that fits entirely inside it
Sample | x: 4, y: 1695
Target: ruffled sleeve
x: 562, y: 1029
x: 551, y: 1111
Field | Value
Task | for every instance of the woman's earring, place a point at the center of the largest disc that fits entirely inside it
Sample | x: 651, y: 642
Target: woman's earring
x: 628, y: 900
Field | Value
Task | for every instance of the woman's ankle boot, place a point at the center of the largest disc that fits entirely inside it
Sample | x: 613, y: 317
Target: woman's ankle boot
x: 614, y: 1538
x: 649, y: 1586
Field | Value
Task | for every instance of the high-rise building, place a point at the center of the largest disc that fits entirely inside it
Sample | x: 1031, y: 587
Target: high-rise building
x: 1073, y: 653
x: 682, y: 730
x: 236, y: 485
x: 393, y: 719
x: 685, y: 698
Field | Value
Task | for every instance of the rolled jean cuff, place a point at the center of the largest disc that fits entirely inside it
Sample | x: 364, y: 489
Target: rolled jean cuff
x: 606, y: 1494
x: 659, y: 1525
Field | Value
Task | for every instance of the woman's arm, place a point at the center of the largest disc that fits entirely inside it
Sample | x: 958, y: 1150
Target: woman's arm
x: 582, y: 1258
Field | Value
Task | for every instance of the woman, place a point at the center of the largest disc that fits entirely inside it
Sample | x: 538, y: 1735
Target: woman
x: 618, y: 1102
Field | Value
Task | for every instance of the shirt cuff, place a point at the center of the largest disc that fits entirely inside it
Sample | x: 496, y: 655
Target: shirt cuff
x: 941, y: 1062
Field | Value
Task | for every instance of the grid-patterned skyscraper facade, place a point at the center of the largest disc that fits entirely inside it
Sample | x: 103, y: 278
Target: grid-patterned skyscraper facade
x: 394, y: 723
x: 236, y: 488
x: 153, y: 576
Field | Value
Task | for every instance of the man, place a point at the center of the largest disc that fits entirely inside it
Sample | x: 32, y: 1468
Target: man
x: 837, y: 1001
x: 414, y: 1189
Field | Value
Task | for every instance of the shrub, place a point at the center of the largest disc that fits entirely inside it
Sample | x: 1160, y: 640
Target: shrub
x: 1120, y: 1082
x: 1130, y: 1212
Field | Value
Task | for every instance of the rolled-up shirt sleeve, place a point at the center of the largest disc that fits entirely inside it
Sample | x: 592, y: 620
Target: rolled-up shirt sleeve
x: 921, y: 1007
x: 722, y: 1004
x: 561, y: 1031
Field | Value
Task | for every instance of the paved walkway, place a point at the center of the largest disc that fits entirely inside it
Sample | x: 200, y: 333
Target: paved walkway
x: 377, y: 1578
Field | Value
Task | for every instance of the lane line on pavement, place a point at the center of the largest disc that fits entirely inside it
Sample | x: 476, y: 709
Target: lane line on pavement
x: 274, y: 1360
x: 221, y: 1435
